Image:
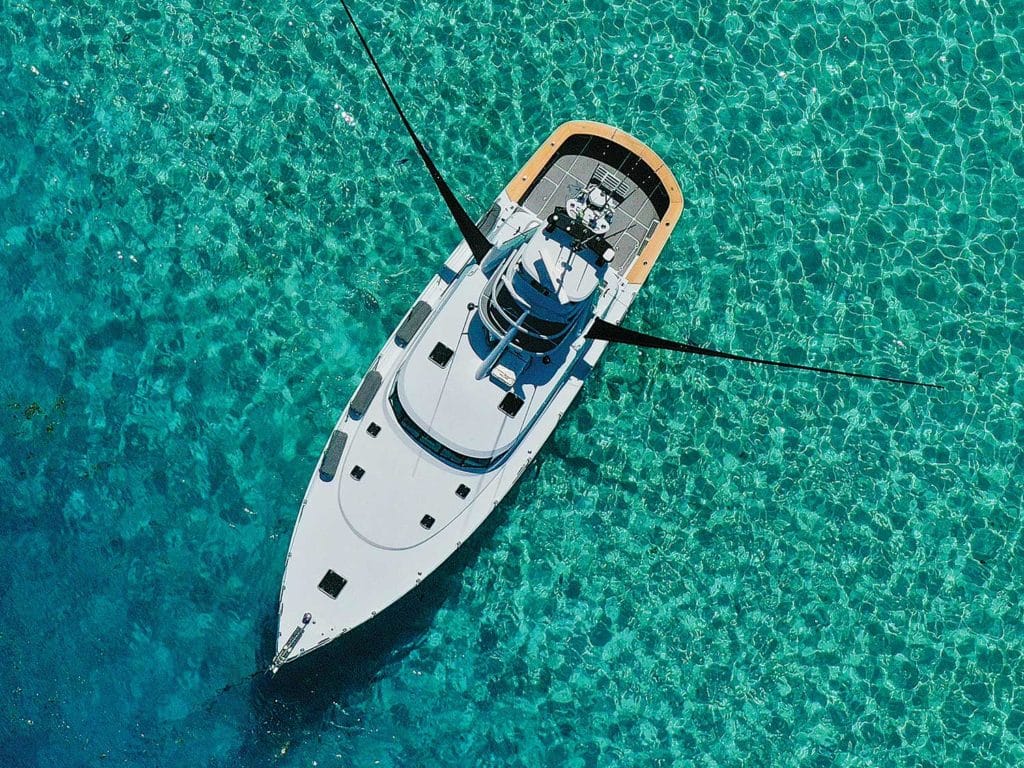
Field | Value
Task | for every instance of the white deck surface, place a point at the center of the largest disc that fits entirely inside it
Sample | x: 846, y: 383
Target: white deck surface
x: 369, y: 530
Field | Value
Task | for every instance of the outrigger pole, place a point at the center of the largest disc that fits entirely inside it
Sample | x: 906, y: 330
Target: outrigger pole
x: 477, y: 241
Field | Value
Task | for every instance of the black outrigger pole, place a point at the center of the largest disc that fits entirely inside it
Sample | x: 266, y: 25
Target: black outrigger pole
x: 477, y: 241
x: 604, y: 331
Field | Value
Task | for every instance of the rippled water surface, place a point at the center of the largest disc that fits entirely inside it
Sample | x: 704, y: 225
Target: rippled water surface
x: 710, y: 565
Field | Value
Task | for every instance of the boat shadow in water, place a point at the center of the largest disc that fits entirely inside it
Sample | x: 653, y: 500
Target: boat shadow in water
x: 297, y: 702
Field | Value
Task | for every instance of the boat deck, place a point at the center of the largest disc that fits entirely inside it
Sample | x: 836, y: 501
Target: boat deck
x: 635, y: 218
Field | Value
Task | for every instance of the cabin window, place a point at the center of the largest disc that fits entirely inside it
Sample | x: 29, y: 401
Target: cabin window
x: 544, y: 327
x: 436, y: 447
x: 536, y: 286
x: 537, y: 334
x: 508, y: 304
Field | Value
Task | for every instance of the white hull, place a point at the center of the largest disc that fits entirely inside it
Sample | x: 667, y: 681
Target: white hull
x: 368, y: 527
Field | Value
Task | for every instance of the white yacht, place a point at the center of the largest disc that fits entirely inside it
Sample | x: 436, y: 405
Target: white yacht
x: 472, y: 382
x: 475, y: 378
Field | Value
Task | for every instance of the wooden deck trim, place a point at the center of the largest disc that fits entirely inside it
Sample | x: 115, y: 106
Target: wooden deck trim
x: 645, y: 260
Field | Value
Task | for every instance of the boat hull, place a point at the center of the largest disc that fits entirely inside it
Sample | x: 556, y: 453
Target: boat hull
x: 380, y: 512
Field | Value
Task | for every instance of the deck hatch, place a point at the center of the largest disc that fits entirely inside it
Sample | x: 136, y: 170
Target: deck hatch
x: 365, y: 394
x: 441, y: 354
x: 373, y: 429
x: 417, y: 315
x: 427, y: 522
x: 358, y: 472
x: 462, y: 491
x: 613, y: 185
x: 332, y: 456
x: 510, y: 404
x: 332, y: 584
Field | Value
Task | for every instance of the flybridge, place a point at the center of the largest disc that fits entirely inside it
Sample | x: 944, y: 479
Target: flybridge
x: 543, y: 291
x: 547, y: 287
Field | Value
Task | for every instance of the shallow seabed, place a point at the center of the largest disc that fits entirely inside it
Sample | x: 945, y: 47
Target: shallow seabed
x: 710, y: 565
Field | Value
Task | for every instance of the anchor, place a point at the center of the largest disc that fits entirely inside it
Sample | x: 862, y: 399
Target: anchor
x: 287, y: 648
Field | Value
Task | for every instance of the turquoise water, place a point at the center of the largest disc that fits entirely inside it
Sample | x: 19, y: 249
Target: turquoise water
x: 710, y: 564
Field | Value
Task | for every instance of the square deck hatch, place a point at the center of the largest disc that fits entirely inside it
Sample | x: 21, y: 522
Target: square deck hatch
x: 332, y: 583
x: 510, y: 404
x: 441, y: 354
